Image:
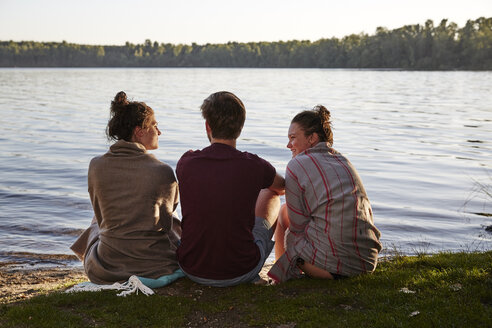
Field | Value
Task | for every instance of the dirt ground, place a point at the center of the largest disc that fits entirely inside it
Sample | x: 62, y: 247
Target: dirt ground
x: 24, y: 277
x: 19, y: 280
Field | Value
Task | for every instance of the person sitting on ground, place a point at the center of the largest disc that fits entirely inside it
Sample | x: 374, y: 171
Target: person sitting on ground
x: 229, y: 200
x: 133, y: 196
x: 326, y: 228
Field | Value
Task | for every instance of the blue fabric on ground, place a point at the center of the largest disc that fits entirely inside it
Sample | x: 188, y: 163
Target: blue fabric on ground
x: 162, y: 281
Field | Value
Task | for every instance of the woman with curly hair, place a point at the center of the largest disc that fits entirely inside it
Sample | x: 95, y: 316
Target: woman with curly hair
x: 133, y: 195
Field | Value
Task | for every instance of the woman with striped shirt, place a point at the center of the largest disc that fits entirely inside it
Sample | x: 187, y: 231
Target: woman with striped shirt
x: 326, y: 227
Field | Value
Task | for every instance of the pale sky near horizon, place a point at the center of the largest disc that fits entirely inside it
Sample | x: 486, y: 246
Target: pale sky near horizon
x: 113, y: 22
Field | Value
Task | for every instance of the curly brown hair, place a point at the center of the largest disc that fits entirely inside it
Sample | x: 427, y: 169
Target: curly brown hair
x: 125, y: 116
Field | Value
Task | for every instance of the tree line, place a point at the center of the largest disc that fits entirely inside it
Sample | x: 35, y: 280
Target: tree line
x: 421, y: 47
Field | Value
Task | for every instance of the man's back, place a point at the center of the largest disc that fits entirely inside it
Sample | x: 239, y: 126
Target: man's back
x: 219, y: 186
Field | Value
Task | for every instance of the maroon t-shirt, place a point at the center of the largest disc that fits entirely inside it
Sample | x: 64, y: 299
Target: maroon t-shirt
x: 218, y: 188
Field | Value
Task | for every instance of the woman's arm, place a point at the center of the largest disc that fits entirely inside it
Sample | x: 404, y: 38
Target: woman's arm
x: 278, y: 185
x: 297, y: 209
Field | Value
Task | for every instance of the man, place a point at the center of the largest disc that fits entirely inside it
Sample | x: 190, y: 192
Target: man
x: 229, y: 200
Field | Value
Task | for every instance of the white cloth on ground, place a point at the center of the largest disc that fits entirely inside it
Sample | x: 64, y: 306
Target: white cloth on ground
x: 132, y: 286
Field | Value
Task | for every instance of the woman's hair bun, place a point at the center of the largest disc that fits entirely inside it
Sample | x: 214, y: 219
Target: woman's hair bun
x: 120, y: 99
x: 324, y: 119
x: 323, y: 113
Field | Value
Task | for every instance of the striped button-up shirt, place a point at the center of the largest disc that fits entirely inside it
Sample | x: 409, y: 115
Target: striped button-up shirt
x: 331, y: 221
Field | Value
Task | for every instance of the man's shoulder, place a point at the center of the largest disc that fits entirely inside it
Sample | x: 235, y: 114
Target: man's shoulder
x: 190, y: 154
x: 258, y: 162
x: 247, y: 155
x: 188, y: 159
x: 251, y: 156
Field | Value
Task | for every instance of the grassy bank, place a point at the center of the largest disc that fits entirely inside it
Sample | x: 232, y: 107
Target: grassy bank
x: 443, y: 290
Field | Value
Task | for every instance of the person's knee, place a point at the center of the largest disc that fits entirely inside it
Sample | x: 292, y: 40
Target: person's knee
x: 268, y: 205
x: 267, y: 195
x: 283, y: 218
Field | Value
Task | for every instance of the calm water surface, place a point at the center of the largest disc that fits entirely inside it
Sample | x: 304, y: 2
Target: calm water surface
x: 421, y: 141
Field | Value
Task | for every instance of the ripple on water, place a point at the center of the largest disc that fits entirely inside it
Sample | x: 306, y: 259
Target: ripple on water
x: 420, y: 141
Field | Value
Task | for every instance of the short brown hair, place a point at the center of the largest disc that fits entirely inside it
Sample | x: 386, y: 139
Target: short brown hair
x: 225, y: 114
x: 317, y: 121
x: 125, y: 116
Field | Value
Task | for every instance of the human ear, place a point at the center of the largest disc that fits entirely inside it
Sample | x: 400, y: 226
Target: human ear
x: 137, y: 133
x: 313, y: 138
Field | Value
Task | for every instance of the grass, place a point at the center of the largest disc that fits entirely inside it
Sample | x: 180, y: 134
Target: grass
x: 444, y: 290
x: 482, y: 191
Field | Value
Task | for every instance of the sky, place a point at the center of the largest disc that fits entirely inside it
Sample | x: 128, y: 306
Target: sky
x: 114, y: 22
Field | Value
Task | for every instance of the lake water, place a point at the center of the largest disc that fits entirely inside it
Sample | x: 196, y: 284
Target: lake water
x: 421, y: 141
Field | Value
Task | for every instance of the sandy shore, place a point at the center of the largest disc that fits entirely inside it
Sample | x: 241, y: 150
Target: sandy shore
x: 20, y: 279
x: 21, y: 283
x: 26, y: 275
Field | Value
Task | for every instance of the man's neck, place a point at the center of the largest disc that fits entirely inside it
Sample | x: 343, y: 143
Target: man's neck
x: 229, y: 142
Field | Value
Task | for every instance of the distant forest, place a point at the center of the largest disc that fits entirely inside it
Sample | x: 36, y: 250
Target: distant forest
x: 419, y: 47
